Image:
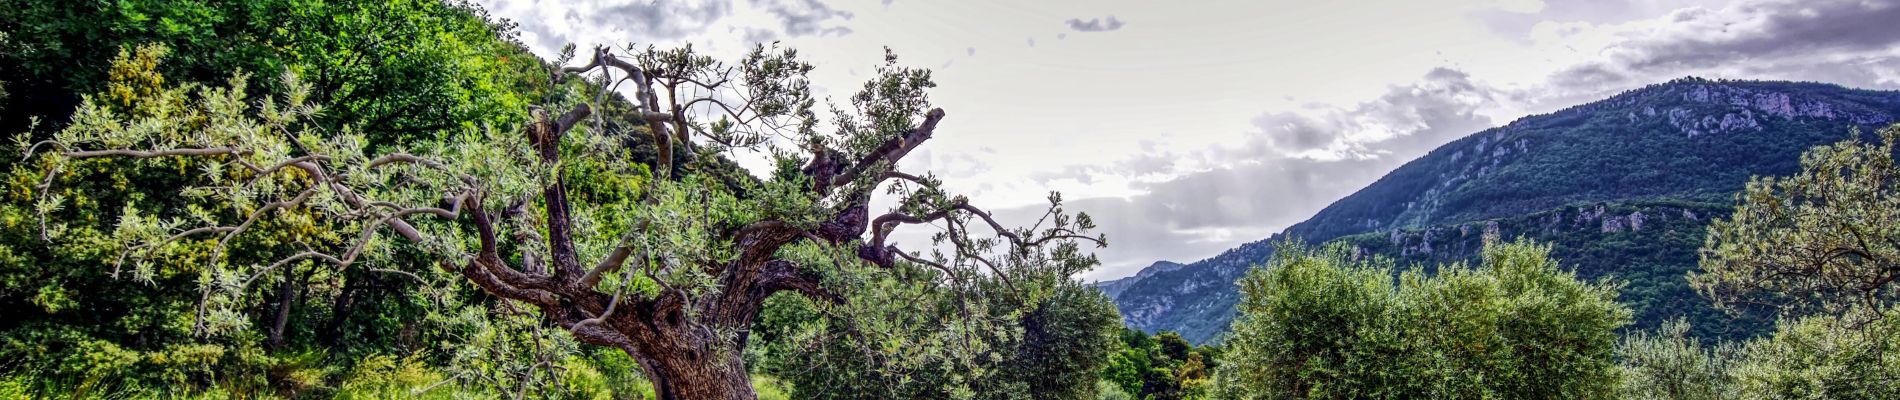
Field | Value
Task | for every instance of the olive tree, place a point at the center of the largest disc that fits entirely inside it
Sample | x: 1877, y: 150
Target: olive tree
x: 1332, y: 322
x: 668, y: 257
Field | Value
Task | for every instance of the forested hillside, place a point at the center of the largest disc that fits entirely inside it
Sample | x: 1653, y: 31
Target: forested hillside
x: 1680, y: 150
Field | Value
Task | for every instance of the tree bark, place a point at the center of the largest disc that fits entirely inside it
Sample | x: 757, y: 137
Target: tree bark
x: 285, y: 295
x: 340, y: 313
x: 690, y: 370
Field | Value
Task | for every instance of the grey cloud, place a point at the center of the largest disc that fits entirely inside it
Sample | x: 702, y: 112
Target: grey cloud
x: 1178, y: 220
x: 1442, y: 107
x: 1439, y: 107
x: 1149, y: 162
x: 1518, y: 25
x: 1265, y: 190
x: 1591, y: 75
x: 1135, y: 239
x: 954, y: 165
x: 663, y: 19
x: 1700, y: 37
x: 756, y: 35
x: 805, y: 17
x: 1254, y: 195
x: 1095, y: 24
x: 656, y: 20
x: 1293, y: 131
x: 544, y: 35
x: 1844, y: 42
x: 1422, y: 116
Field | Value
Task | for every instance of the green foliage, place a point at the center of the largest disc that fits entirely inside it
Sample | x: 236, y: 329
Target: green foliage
x: 483, y: 351
x: 1650, y: 248
x: 1055, y: 349
x: 384, y: 376
x: 382, y: 67
x: 1105, y: 390
x: 770, y: 388
x: 395, y: 70
x: 1326, y: 323
x: 1066, y: 342
x: 1670, y: 364
x: 1824, y: 240
x: 1816, y: 357
x: 267, y: 199
x: 96, y: 309
x: 1163, y: 366
x: 1823, y: 356
x: 1818, y: 246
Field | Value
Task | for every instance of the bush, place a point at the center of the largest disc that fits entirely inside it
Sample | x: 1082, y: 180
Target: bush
x: 1329, y: 323
x: 1825, y: 356
x: 1668, y: 364
x: 1105, y: 390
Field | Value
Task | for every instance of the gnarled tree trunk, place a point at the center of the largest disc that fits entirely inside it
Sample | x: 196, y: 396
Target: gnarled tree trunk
x: 685, y: 366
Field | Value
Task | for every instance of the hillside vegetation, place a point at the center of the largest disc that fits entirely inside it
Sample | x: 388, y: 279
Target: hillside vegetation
x: 1620, y: 188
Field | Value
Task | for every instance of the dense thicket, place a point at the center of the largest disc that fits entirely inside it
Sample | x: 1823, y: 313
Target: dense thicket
x: 394, y: 70
x: 1055, y: 350
x: 1331, y: 323
x: 1162, y: 366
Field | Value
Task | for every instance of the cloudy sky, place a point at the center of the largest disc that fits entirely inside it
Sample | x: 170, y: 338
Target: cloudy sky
x: 1186, y: 128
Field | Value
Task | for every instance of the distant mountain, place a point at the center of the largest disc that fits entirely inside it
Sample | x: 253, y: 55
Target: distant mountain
x: 1114, y: 287
x: 1621, y: 187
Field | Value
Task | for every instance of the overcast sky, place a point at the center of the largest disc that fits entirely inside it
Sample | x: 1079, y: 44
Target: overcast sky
x: 1186, y: 128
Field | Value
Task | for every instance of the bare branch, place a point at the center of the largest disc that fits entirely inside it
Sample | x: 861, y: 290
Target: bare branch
x: 891, y: 151
x: 894, y: 174
x: 218, y: 251
x: 150, y: 154
x: 786, y: 275
x: 150, y: 247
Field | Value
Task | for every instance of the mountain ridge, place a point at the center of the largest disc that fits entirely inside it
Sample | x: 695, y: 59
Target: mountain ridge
x: 1692, y: 141
x: 1113, y: 287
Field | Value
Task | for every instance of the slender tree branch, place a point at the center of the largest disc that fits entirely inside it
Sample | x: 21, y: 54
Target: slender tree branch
x: 150, y: 154
x: 891, y: 151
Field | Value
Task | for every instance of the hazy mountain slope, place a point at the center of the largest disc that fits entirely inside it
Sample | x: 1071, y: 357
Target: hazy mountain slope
x: 1689, y: 143
x: 1115, y: 287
